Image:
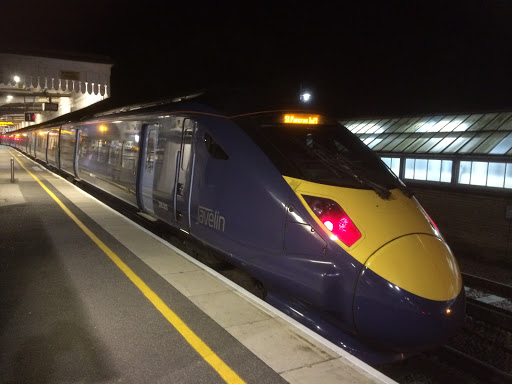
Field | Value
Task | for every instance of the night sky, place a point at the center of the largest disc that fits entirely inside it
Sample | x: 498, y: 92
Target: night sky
x: 360, y: 58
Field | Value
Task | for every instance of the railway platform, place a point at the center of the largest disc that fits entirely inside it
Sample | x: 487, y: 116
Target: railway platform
x: 88, y: 296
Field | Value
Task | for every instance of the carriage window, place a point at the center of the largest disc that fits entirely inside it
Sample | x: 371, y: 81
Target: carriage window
x: 129, y: 154
x: 186, y: 142
x: 213, y: 148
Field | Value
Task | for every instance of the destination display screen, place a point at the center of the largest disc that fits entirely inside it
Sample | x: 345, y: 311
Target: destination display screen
x: 301, y: 119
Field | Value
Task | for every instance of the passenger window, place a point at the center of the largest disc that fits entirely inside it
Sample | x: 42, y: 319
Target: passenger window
x: 186, y: 142
x: 214, y: 148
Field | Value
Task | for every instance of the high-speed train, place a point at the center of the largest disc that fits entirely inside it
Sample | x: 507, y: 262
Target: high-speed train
x: 290, y: 197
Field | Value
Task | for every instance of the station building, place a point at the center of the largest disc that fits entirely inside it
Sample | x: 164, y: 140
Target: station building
x: 40, y: 86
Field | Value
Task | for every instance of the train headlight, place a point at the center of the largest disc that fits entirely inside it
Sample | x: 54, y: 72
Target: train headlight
x: 334, y: 218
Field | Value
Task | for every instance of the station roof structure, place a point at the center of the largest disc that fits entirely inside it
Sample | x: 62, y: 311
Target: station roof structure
x: 457, y: 150
x: 459, y: 134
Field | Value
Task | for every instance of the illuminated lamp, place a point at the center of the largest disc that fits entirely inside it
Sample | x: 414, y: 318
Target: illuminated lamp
x: 334, y: 219
x: 305, y: 97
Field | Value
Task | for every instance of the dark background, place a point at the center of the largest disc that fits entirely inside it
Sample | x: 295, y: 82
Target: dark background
x: 359, y: 59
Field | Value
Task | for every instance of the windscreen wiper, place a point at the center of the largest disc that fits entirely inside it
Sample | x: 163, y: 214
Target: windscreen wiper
x: 341, y: 165
x: 401, y: 186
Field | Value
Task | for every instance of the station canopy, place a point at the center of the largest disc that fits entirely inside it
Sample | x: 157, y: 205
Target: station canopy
x: 487, y: 134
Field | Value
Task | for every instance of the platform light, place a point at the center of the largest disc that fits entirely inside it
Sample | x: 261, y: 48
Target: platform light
x: 305, y: 97
x: 9, y: 98
x: 16, y: 78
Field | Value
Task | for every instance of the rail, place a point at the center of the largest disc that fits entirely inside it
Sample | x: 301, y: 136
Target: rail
x: 478, y: 368
x: 482, y: 283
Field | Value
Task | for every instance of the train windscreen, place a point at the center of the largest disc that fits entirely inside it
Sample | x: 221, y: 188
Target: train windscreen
x: 317, y: 150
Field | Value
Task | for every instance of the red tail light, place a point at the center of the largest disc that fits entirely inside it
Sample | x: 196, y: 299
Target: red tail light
x: 334, y: 218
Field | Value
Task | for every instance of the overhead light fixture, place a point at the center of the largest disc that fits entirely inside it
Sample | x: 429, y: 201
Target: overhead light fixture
x: 16, y: 78
x: 305, y: 97
x: 9, y: 98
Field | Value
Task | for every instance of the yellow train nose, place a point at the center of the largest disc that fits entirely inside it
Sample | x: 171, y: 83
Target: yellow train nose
x: 410, y: 294
x: 421, y: 264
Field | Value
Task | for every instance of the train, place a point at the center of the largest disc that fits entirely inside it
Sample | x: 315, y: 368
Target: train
x: 331, y: 235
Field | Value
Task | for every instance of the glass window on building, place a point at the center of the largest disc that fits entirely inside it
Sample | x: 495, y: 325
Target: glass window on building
x: 456, y: 123
x: 429, y: 170
x: 491, y: 142
x: 389, y: 125
x: 496, y: 175
x: 467, y: 123
x: 358, y: 127
x: 435, y: 124
x: 490, y: 174
x: 464, y: 172
x: 384, y: 142
x: 416, y: 144
x: 443, y: 144
x: 404, y: 144
x: 409, y: 125
x: 397, y: 139
x: 479, y: 173
x: 498, y: 121
x: 508, y: 176
x: 429, y: 126
x: 434, y: 170
x: 474, y: 142
x: 393, y: 163
x: 416, y: 169
x: 376, y: 128
x: 446, y: 171
x: 374, y: 142
x: 456, y: 145
x: 481, y: 123
x: 506, y: 126
x: 503, y: 147
x: 350, y: 124
x: 428, y: 145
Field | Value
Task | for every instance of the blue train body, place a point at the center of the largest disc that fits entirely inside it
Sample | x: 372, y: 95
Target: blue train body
x: 246, y: 197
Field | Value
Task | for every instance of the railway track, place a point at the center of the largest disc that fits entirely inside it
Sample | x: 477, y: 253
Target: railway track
x: 484, y: 307
x: 484, y: 348
x: 477, y: 368
x: 489, y: 313
x: 487, y: 285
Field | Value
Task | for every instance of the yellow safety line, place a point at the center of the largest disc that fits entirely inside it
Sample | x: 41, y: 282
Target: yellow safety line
x: 206, y: 353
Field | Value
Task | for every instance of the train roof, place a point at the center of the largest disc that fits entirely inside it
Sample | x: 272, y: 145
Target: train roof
x: 227, y: 102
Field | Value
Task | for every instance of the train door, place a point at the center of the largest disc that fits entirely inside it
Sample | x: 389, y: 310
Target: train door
x: 76, y: 151
x: 33, y: 143
x: 184, y: 173
x: 47, y: 136
x: 147, y: 168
